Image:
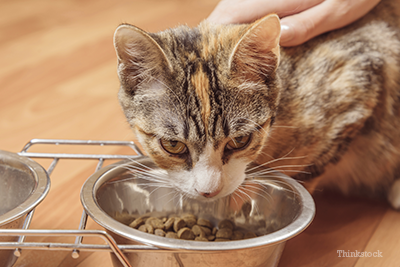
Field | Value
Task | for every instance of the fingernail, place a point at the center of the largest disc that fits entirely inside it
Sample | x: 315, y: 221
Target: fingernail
x: 286, y: 33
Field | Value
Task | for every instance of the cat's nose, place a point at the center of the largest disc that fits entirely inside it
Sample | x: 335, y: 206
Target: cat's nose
x: 209, y: 194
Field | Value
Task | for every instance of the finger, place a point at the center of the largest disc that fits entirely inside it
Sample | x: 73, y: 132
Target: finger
x: 235, y: 11
x: 327, y: 16
x: 246, y: 11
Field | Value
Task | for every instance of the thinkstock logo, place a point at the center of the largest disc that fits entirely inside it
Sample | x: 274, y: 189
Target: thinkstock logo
x: 358, y: 254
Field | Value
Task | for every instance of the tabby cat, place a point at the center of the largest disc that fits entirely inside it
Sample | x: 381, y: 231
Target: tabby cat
x: 206, y: 102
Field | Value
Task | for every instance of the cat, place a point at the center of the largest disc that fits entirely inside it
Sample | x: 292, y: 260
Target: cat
x: 205, y: 102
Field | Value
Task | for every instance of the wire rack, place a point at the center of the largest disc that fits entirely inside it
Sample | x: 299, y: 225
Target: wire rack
x: 77, y: 246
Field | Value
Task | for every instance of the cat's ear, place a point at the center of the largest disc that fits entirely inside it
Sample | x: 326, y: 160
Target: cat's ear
x: 257, y: 51
x: 140, y: 57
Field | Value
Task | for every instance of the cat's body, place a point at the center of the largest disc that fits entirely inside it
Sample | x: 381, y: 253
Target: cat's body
x: 205, y: 102
x: 342, y: 104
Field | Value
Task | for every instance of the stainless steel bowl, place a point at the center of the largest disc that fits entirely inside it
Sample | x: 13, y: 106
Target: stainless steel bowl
x: 23, y: 185
x: 277, y: 208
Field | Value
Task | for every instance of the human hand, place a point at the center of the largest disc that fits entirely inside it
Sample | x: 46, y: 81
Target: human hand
x: 301, y: 20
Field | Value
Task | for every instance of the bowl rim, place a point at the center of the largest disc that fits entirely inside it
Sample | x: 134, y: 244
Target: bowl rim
x: 94, y: 182
x: 39, y: 192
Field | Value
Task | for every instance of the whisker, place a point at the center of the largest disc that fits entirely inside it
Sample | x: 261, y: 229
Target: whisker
x: 272, y: 176
x: 257, y: 124
x: 254, y: 204
x: 144, y: 177
x: 234, y: 199
x: 143, y: 168
x: 277, y: 170
x: 271, y: 170
x: 134, y: 170
x: 285, y: 157
x: 137, y: 162
x: 291, y: 190
x: 254, y: 189
x: 139, y: 170
x: 177, y: 195
x: 242, y: 194
x: 165, y: 195
x: 284, y: 126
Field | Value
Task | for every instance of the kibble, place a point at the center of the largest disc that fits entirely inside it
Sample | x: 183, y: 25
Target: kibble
x: 155, y: 223
x: 137, y: 223
x: 225, y: 233
x: 200, y: 238
x: 214, y: 230
x: 190, y: 221
x: 226, y: 224
x: 249, y: 235
x: 169, y: 223
x: 221, y: 239
x: 186, y: 233
x: 189, y: 227
x: 198, y: 231
x: 211, y: 237
x: 159, y: 232
x: 171, y: 235
x: 179, y: 224
x: 205, y: 223
x: 207, y: 231
x: 143, y: 228
x: 124, y: 217
x: 237, y: 235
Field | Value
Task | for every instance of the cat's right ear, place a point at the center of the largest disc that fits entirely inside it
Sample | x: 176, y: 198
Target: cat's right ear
x: 140, y: 57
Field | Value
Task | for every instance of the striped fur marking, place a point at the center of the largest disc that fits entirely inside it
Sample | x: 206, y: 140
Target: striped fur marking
x: 201, y: 84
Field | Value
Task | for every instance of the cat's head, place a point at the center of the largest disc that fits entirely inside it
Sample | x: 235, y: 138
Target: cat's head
x: 201, y: 101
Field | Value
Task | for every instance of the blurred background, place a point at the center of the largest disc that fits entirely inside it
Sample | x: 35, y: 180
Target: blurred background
x: 58, y: 80
x: 58, y: 66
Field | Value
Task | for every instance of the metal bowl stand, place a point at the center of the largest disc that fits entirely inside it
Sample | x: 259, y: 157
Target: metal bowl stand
x: 77, y: 246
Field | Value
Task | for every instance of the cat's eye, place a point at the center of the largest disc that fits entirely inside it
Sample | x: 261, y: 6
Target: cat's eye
x: 238, y: 142
x: 173, y: 147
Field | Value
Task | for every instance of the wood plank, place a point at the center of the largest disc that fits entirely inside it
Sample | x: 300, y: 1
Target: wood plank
x: 383, y: 248
x: 58, y: 80
x: 340, y: 224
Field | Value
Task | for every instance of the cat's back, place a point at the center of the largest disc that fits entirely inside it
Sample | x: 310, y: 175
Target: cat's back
x: 351, y: 65
x: 376, y: 35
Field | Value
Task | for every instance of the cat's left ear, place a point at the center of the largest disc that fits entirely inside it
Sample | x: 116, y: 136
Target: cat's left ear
x: 139, y: 56
x: 257, y: 51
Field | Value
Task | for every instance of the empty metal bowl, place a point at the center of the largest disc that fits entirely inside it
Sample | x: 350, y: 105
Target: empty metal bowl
x: 23, y: 185
x: 277, y: 209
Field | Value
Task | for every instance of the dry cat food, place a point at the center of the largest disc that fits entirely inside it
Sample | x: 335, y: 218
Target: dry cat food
x: 189, y: 227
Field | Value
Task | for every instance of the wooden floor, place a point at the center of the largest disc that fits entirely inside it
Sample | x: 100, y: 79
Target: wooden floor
x: 58, y: 80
